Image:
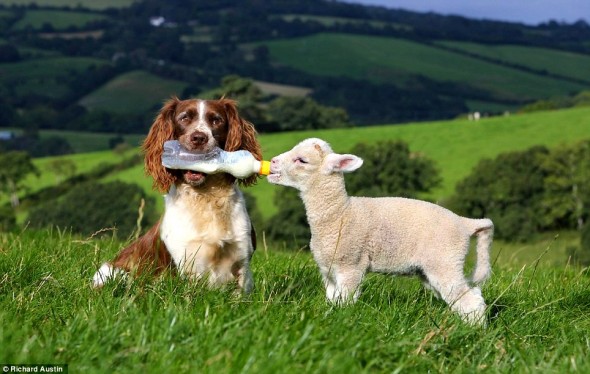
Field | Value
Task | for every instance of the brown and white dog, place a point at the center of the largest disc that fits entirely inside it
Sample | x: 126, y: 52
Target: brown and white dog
x: 205, y: 230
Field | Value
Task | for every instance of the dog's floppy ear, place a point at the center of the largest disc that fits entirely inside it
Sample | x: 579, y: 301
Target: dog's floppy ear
x: 153, y: 146
x: 241, y: 135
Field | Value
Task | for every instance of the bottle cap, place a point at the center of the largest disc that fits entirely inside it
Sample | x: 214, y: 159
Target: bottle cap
x: 264, y: 168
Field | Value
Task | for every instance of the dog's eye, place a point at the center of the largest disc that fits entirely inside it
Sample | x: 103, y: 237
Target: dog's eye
x: 183, y: 118
x: 300, y: 160
x: 216, y: 121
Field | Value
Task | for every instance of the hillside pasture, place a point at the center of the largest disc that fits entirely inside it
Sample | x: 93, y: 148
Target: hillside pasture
x: 538, y: 318
x: 84, y: 162
x: 269, y: 88
x: 87, y: 142
x: 87, y: 4
x: 391, y: 60
x: 134, y: 92
x: 44, y: 76
x: 455, y: 146
x: 567, y: 64
x: 57, y: 19
x: 333, y: 21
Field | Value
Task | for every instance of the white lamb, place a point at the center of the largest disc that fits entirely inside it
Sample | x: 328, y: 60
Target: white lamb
x: 353, y: 235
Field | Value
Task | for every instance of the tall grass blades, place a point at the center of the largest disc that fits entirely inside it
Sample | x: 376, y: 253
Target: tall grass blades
x: 539, y: 317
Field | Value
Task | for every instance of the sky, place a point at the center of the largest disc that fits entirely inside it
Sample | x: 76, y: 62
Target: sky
x: 530, y: 12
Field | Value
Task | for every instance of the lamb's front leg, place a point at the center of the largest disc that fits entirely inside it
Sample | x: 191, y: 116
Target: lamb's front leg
x: 342, y: 285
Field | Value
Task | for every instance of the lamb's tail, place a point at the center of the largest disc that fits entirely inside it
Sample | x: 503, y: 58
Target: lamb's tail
x: 484, y: 231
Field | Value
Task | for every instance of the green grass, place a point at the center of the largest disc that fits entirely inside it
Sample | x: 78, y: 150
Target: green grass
x: 391, y: 60
x: 133, y: 92
x: 59, y: 19
x: 568, y: 64
x: 539, y: 318
x: 88, y: 4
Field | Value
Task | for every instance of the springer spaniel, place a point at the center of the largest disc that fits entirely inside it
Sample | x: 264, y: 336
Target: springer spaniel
x: 205, y: 230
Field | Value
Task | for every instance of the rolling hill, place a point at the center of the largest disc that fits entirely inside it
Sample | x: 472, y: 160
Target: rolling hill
x: 132, y: 92
x: 455, y: 146
x: 398, y: 61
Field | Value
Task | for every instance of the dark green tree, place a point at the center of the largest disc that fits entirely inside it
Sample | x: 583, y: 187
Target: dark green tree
x: 7, y: 218
x: 509, y: 190
x: 16, y: 166
x: 585, y: 239
x: 245, y: 92
x: 91, y: 207
x: 567, y: 186
x: 289, y: 225
x: 391, y: 169
x: 303, y: 113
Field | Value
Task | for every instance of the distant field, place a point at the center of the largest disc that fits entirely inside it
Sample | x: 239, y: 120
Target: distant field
x: 282, y: 89
x: 331, y: 21
x: 44, y: 76
x: 89, y: 4
x: 564, y: 63
x: 58, y: 19
x: 456, y: 146
x: 85, y: 142
x: 133, y: 92
x: 390, y: 60
x: 84, y: 162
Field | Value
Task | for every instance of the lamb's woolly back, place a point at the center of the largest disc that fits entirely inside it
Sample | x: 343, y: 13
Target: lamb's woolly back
x: 353, y: 235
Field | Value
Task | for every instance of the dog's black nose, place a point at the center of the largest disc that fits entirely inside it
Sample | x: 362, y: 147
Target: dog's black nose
x: 199, y: 138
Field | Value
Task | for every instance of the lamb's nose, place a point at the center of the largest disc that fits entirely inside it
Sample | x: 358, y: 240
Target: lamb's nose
x: 199, y: 138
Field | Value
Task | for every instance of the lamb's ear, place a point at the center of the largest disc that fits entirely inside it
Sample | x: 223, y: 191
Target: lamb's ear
x: 335, y: 163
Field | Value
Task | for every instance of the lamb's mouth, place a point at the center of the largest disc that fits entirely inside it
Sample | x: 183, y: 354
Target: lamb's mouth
x: 273, y: 177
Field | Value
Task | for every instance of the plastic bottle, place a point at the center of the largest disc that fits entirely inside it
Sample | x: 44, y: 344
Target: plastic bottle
x: 240, y: 164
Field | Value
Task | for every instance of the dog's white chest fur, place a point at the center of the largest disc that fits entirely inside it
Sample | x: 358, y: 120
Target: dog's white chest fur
x: 213, y: 239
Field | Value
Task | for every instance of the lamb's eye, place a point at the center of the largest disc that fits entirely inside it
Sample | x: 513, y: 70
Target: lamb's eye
x: 300, y: 160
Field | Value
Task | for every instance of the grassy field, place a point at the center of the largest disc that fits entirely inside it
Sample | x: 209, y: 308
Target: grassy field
x: 391, y: 60
x: 331, y: 21
x: 88, y: 4
x: 84, y: 162
x: 455, y: 146
x: 539, y: 318
x: 133, y: 92
x: 58, y: 19
x: 564, y: 63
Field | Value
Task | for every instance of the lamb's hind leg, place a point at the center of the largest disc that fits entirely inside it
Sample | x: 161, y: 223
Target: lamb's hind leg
x: 454, y: 290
